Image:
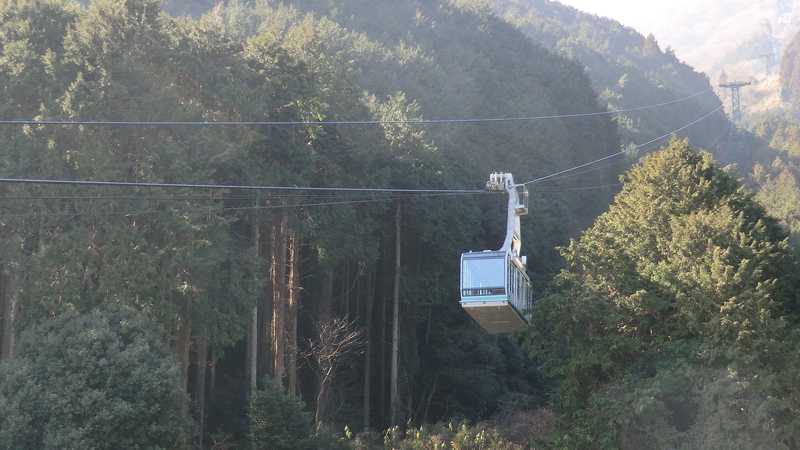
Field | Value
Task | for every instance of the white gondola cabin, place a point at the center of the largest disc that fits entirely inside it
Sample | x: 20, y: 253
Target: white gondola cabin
x: 495, y: 288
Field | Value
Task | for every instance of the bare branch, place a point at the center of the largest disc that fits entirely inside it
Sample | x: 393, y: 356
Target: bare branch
x: 337, y: 339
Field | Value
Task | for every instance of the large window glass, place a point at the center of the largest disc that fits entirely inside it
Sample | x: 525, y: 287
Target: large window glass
x: 483, y: 273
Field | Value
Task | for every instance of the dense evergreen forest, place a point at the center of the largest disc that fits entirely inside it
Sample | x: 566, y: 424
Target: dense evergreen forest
x: 627, y: 69
x: 150, y: 317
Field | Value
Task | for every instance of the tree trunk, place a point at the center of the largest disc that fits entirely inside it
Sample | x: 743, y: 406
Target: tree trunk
x: 293, y: 300
x: 358, y: 283
x: 267, y: 248
x: 324, y: 315
x: 3, y: 311
x: 252, y: 351
x: 200, y: 365
x: 184, y: 339
x: 279, y: 305
x: 321, y: 400
x: 384, y: 412
x: 212, y: 377
x: 325, y: 307
x: 9, y: 304
x: 368, y: 352
x: 394, y: 399
x: 430, y: 398
x: 252, y: 328
x: 345, y: 301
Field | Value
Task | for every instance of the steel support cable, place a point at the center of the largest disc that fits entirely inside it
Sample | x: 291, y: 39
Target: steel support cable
x: 622, y: 152
x: 716, y: 141
x: 477, y: 120
x: 605, y: 164
x: 231, y: 186
x: 326, y: 189
x: 246, y: 208
x: 578, y: 188
x: 610, y: 163
x: 195, y: 198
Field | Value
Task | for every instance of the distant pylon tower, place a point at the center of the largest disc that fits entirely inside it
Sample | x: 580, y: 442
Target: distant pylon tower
x: 769, y: 62
x: 736, y: 101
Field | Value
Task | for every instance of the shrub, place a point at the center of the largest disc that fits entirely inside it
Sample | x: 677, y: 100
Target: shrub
x: 441, y: 437
x: 102, y: 380
x: 278, y: 421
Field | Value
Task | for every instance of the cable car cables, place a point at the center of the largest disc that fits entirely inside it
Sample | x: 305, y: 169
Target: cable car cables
x: 220, y: 209
x: 333, y: 189
x: 299, y: 123
x: 142, y: 184
x: 621, y: 152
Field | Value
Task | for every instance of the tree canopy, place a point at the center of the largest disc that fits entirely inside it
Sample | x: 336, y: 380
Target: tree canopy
x: 678, y: 302
x: 679, y: 298
x: 100, y: 380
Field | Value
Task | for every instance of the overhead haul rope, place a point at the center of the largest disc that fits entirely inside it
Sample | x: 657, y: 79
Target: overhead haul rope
x: 244, y: 208
x: 239, y: 187
x: 333, y: 189
x: 621, y: 152
x: 612, y: 162
x: 297, y: 123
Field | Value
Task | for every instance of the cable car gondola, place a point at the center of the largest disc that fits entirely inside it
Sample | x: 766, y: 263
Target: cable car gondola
x: 495, y: 288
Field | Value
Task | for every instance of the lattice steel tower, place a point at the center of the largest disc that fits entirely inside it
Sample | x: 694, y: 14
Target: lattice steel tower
x: 736, y: 101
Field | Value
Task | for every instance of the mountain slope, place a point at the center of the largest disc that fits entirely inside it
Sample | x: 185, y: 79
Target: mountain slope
x: 710, y: 34
x: 626, y: 68
x: 790, y: 72
x: 452, y: 60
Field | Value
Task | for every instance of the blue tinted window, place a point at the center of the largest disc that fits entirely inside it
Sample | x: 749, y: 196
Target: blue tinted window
x: 480, y: 273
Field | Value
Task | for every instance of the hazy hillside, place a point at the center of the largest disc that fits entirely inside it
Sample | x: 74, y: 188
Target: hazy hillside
x: 743, y: 39
x: 710, y: 34
x: 790, y: 73
x: 730, y: 34
x: 627, y: 70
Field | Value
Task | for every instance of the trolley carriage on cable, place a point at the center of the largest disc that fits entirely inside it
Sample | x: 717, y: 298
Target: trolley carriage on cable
x: 495, y: 287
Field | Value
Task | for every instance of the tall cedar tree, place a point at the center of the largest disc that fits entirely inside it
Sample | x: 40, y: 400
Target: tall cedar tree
x: 675, y: 301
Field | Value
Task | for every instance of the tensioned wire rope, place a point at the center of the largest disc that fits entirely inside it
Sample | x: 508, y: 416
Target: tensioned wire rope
x: 727, y: 129
x: 131, y: 123
x: 611, y: 162
x: 239, y: 208
x: 243, y: 187
x: 256, y: 123
x: 95, y: 183
x: 213, y: 197
x: 621, y: 152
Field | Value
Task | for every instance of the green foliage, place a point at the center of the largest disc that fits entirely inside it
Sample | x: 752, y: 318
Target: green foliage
x: 779, y: 192
x: 682, y: 241
x: 676, y: 295
x: 684, y: 271
x: 391, y: 61
x: 278, y: 421
x: 100, y: 380
x: 439, y: 437
x: 780, y: 130
x: 777, y: 180
x: 627, y: 69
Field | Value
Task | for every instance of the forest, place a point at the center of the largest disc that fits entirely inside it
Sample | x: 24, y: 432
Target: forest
x: 314, y: 316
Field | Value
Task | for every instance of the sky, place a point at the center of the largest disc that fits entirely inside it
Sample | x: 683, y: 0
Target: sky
x: 656, y: 17
x: 644, y: 14
x: 635, y: 13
